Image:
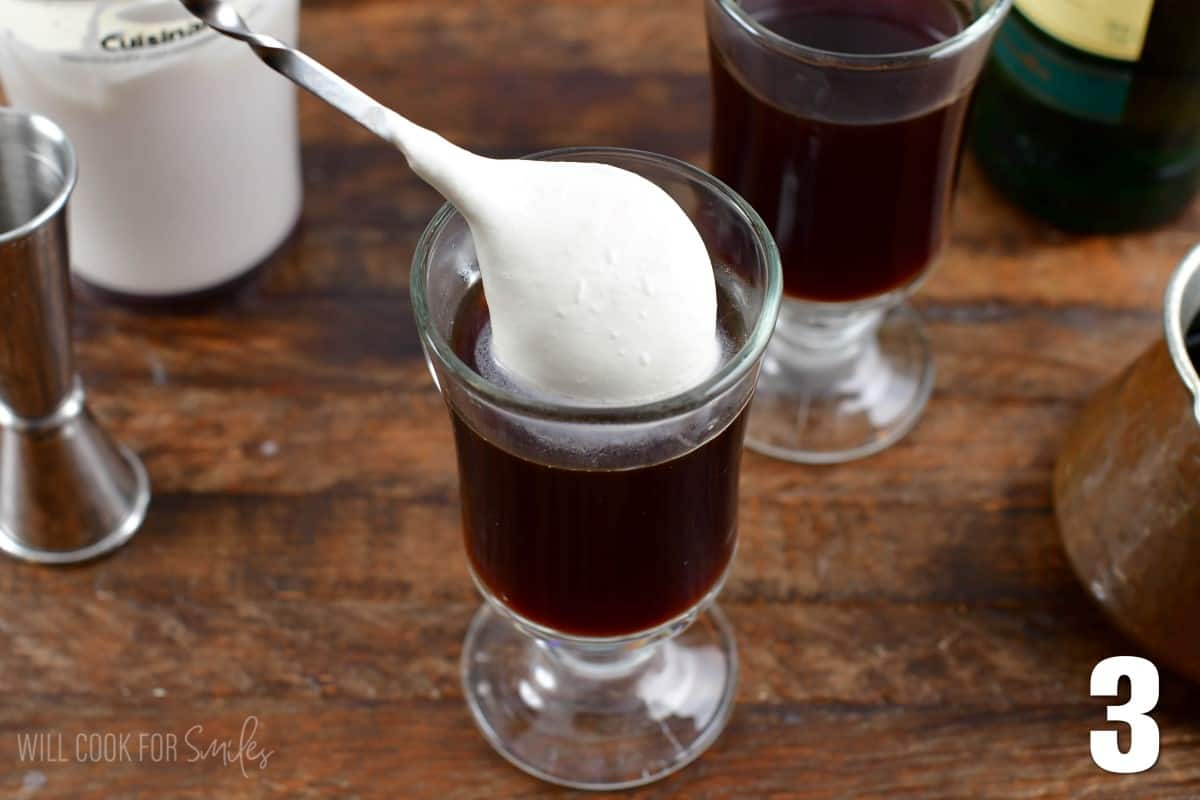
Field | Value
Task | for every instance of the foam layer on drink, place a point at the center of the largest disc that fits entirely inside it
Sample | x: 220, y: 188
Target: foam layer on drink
x: 599, y: 288
x: 595, y: 444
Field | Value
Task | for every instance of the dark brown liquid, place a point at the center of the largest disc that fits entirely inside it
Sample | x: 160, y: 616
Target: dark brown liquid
x: 1192, y: 341
x: 857, y: 210
x: 594, y: 552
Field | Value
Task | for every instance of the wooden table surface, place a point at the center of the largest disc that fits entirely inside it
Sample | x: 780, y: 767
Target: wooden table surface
x: 908, y: 624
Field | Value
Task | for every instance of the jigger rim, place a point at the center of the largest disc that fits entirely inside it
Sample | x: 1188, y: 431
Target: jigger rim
x: 46, y: 129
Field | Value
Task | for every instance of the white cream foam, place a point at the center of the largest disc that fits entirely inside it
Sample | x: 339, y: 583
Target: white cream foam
x: 599, y: 287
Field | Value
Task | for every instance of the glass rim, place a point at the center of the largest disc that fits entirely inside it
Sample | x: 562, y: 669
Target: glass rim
x: 968, y: 36
x: 46, y: 130
x: 1180, y: 300
x: 716, y: 384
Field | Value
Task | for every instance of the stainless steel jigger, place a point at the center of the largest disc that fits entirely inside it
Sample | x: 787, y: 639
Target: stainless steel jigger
x: 67, y: 491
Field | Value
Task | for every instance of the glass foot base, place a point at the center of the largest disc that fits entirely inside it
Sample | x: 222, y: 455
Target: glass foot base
x: 591, y: 718
x: 822, y: 403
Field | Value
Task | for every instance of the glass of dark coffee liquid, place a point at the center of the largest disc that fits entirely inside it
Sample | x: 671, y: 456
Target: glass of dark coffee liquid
x: 841, y: 122
x: 599, y: 536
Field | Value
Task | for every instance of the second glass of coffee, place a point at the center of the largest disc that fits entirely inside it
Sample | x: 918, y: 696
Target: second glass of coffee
x: 841, y: 122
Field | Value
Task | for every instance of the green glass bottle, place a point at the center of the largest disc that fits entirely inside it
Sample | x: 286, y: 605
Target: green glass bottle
x: 1088, y: 112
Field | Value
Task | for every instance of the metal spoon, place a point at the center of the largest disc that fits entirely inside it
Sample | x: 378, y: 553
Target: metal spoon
x: 299, y: 68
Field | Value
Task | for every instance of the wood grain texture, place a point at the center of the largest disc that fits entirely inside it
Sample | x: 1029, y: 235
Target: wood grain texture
x: 908, y: 624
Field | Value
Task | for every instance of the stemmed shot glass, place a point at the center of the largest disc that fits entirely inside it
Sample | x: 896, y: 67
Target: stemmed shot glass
x: 600, y: 536
x: 841, y: 122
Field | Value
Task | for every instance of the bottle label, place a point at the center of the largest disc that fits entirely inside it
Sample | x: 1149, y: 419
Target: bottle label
x: 142, y: 27
x: 1109, y: 28
x: 1079, y: 87
x: 108, y: 32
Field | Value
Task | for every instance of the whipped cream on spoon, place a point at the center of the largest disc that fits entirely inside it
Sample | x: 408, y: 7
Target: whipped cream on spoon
x: 599, y: 288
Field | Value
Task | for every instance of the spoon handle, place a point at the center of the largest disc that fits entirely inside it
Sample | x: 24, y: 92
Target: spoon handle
x: 438, y: 161
x: 323, y: 82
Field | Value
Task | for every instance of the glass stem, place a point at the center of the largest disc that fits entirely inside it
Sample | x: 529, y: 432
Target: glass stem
x: 822, y: 341
x: 601, y: 663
